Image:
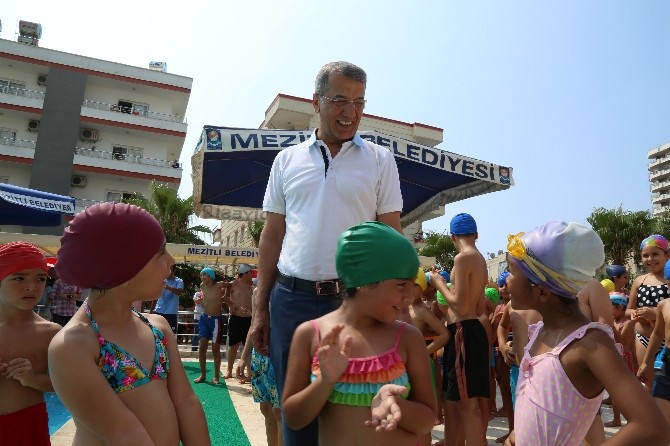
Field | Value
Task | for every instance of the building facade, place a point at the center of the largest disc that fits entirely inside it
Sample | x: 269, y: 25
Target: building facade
x: 295, y: 113
x: 659, y: 178
x: 88, y: 128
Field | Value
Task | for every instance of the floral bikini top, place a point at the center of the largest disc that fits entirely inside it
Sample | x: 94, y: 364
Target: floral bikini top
x: 121, y: 370
x: 363, y: 377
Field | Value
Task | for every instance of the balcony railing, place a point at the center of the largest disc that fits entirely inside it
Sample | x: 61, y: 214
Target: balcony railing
x: 84, y: 203
x: 149, y: 114
x: 17, y: 143
x: 658, y: 161
x: 135, y: 159
x: 22, y: 92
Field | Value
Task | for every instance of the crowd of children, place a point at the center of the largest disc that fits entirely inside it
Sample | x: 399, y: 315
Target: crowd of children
x: 403, y: 352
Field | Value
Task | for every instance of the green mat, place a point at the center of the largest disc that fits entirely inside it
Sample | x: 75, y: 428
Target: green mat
x: 224, y: 425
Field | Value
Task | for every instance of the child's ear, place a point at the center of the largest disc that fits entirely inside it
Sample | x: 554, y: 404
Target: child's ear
x: 543, y: 293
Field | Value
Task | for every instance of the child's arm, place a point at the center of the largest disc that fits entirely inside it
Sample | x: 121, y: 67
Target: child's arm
x: 190, y: 416
x: 632, y: 297
x: 303, y: 400
x: 646, y: 424
x: 417, y: 413
x: 436, y: 325
x: 21, y: 370
x: 502, y: 331
x: 655, y: 340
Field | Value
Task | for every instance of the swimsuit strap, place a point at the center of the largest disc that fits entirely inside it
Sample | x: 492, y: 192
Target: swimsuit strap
x: 579, y: 333
x: 398, y: 334
x: 316, y: 329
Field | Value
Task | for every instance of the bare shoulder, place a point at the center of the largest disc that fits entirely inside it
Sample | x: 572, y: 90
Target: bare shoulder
x: 593, y: 339
x: 159, y: 322
x: 72, y: 340
x: 47, y: 328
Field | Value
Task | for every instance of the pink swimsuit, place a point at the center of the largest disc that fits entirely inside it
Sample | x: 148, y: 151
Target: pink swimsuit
x: 549, y: 410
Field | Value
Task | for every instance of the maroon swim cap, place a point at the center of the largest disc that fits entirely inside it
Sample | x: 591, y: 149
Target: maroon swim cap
x: 107, y: 244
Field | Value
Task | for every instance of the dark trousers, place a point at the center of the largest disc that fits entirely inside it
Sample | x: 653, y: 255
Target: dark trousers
x: 288, y: 309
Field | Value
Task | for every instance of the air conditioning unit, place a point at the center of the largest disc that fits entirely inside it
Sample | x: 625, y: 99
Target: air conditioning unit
x: 34, y: 126
x: 89, y: 135
x: 78, y: 181
x: 42, y: 79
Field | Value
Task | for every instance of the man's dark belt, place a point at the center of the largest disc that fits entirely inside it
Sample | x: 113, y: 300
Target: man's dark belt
x: 320, y: 288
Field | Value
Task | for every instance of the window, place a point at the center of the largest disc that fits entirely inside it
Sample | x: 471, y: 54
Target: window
x: 126, y: 153
x: 130, y: 107
x: 12, y: 87
x: 117, y: 196
x: 7, y: 137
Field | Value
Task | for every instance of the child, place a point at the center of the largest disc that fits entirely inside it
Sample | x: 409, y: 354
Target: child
x: 661, y: 385
x: 211, y: 325
x: 359, y: 370
x: 24, y: 340
x: 624, y: 327
x: 569, y: 359
x: 645, y: 294
x: 118, y: 371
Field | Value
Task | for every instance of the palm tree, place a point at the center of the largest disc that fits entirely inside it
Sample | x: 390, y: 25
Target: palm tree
x: 172, y: 212
x: 621, y: 232
x: 441, y: 247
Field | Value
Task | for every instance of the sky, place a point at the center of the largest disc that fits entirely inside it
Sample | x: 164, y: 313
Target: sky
x: 572, y: 94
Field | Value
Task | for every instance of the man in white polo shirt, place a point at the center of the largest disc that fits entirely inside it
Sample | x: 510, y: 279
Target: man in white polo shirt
x: 316, y: 191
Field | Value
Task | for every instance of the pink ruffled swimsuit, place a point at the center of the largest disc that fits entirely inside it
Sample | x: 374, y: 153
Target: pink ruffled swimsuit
x: 363, y: 377
x: 549, y: 410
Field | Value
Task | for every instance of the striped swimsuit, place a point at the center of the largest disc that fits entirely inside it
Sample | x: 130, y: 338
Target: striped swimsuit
x: 363, y: 377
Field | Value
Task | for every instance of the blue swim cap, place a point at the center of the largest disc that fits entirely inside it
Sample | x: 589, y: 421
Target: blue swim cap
x: 462, y: 224
x: 502, y: 278
x: 614, y: 270
x: 619, y: 299
x: 446, y: 276
x: 666, y: 271
x: 209, y: 271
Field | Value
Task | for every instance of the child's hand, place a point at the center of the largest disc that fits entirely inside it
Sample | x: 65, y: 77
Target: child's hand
x: 510, y: 439
x: 385, y: 409
x: 21, y: 370
x: 642, y: 373
x: 333, y: 358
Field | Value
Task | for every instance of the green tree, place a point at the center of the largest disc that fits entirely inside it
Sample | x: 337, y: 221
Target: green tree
x: 172, y: 212
x: 441, y: 247
x: 255, y: 229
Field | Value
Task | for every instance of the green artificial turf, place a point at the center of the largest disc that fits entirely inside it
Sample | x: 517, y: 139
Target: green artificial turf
x: 224, y: 425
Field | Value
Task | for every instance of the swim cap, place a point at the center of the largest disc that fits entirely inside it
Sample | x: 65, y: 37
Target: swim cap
x: 371, y: 252
x: 421, y: 279
x: 492, y: 294
x: 440, y: 299
x: 561, y: 256
x: 502, y: 278
x: 608, y: 285
x: 655, y: 240
x: 19, y: 256
x: 210, y: 272
x: 619, y: 299
x: 445, y: 275
x: 613, y: 271
x: 244, y: 268
x: 107, y: 244
x: 666, y: 270
x: 462, y: 224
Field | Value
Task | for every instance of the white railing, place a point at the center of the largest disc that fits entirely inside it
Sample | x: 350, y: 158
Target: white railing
x: 136, y: 159
x: 149, y: 114
x: 6, y: 141
x: 22, y: 92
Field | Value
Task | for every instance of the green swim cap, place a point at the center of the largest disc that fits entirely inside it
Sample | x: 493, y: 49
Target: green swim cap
x: 492, y: 294
x: 371, y: 252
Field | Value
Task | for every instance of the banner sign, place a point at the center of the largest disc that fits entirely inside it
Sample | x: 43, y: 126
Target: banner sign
x: 42, y: 204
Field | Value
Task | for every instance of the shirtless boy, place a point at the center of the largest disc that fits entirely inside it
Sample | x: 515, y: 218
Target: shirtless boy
x: 24, y: 341
x: 467, y: 355
x: 211, y: 324
x: 240, y: 315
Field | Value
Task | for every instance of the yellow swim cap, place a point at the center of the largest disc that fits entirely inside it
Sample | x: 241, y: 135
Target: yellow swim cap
x: 608, y: 284
x: 421, y: 279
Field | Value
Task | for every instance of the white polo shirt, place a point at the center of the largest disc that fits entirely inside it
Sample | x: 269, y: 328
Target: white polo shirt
x: 362, y: 182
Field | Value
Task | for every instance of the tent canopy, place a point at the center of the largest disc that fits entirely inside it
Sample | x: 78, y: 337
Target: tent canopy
x: 29, y: 207
x: 231, y: 168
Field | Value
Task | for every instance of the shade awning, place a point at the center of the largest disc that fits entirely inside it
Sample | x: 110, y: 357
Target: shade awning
x: 30, y: 207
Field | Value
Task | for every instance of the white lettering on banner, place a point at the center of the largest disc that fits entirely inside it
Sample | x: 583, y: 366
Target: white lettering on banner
x: 241, y: 140
x: 38, y: 203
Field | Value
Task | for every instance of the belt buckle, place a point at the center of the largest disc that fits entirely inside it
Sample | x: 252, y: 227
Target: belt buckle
x: 328, y: 290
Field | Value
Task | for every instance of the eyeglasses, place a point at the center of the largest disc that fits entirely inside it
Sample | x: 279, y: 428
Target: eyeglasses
x: 358, y: 104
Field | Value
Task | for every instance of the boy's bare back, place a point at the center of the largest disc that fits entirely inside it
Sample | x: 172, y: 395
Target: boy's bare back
x: 469, y: 279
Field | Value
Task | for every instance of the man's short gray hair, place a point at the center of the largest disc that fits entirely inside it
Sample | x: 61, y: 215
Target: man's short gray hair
x: 346, y: 69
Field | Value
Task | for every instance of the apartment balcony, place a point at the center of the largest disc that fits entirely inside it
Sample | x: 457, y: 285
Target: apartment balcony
x: 659, y: 161
x: 659, y: 175
x: 660, y: 197
x: 130, y: 111
x: 23, y: 92
x: 135, y: 159
x: 13, y: 142
x: 660, y: 150
x: 659, y: 186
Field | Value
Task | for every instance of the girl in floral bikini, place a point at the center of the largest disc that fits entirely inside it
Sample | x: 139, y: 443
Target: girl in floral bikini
x: 364, y: 374
x: 645, y: 294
